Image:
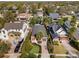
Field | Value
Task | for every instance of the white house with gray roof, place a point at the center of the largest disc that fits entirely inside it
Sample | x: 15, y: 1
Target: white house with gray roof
x: 13, y: 27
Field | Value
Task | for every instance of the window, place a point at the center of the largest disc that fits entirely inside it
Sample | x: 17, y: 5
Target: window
x: 11, y: 35
x: 4, y: 32
x: 4, y: 36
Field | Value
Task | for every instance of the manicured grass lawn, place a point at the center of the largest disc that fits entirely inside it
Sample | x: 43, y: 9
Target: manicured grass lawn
x: 29, y: 50
x: 59, y: 49
x: 35, y: 49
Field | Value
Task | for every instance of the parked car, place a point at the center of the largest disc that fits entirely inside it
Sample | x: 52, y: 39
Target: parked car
x: 18, y: 46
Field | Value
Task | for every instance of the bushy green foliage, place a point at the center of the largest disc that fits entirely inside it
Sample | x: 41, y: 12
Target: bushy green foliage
x: 39, y: 35
x: 47, y: 21
x: 75, y: 44
x: 55, y: 43
x: 2, y: 22
x: 9, y: 16
x: 27, y: 46
x: 35, y: 20
x: 28, y: 49
x: 4, y: 48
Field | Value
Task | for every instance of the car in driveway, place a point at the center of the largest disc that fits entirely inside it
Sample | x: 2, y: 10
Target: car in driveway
x: 18, y: 46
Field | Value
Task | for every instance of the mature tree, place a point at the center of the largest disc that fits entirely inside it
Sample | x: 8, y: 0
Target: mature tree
x: 35, y: 20
x: 21, y: 7
x: 73, y: 21
x: 34, y: 8
x: 39, y: 35
x: 9, y: 16
x: 4, y: 48
x: 47, y: 10
x: 62, y: 21
x: 2, y: 22
x: 71, y: 31
x: 27, y: 46
x: 32, y: 22
x: 47, y: 21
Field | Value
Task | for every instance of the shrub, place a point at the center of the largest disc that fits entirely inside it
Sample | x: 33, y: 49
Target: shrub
x: 4, y: 48
x: 75, y: 44
x: 55, y: 43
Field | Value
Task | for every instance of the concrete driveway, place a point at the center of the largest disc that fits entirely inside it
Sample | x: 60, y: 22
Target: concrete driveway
x: 45, y: 53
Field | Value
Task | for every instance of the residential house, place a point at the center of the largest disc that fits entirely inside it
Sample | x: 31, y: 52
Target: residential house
x: 57, y: 31
x: 38, y: 28
x: 68, y: 25
x: 11, y: 28
x: 54, y: 16
x: 23, y: 16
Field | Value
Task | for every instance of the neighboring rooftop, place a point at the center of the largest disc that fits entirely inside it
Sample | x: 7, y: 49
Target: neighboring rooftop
x: 9, y: 26
x: 37, y: 28
x: 23, y: 15
x: 54, y: 15
x: 55, y: 27
x: 57, y: 30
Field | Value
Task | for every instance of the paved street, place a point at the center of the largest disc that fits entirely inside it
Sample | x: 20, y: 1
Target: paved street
x: 44, y: 53
x: 72, y: 52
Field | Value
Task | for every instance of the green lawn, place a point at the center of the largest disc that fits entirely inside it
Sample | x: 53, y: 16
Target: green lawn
x: 59, y: 49
x: 29, y: 50
x: 35, y: 49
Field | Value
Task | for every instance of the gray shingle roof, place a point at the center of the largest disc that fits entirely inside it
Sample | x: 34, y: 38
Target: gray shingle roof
x: 37, y: 28
x: 55, y: 27
x: 9, y: 26
x: 54, y: 15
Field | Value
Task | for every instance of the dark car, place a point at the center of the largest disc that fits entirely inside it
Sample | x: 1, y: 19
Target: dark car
x: 18, y: 46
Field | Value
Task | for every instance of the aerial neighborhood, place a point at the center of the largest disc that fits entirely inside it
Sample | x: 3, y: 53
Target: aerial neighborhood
x: 39, y: 29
